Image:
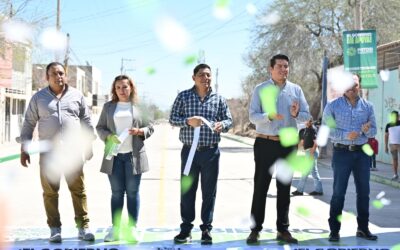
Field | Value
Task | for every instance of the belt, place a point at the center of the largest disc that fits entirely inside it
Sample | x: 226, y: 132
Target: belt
x: 203, y: 148
x: 268, y: 137
x: 352, y: 147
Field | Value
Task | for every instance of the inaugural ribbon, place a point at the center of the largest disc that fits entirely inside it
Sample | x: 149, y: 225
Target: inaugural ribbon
x: 196, y: 138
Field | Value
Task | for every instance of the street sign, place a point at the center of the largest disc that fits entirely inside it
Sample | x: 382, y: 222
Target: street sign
x: 360, y: 55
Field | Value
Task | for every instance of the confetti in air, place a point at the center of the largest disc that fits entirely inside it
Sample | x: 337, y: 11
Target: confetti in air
x: 180, y: 39
x: 345, y: 217
x: 377, y: 204
x: 330, y: 122
x: 392, y: 118
x: 150, y: 70
x: 17, y: 31
x: 221, y: 9
x: 340, y: 80
x: 300, y: 162
x: 251, y: 9
x: 283, y: 171
x: 190, y: 60
x: 323, y: 135
x: 270, y: 19
x: 380, y: 195
x: 366, y: 148
x: 268, y: 97
x: 303, y: 211
x: 288, y: 136
x: 384, y: 74
x: 53, y: 39
x: 395, y: 247
x: 186, y: 183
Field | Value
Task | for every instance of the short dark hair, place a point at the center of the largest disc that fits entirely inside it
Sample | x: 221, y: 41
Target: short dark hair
x: 200, y: 66
x: 395, y: 113
x: 52, y: 64
x: 359, y: 77
x: 272, y: 62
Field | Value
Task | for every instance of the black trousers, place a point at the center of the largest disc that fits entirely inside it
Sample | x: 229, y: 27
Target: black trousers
x: 266, y: 153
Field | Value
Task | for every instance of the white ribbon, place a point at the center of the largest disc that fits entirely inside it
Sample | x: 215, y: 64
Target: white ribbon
x: 193, y: 148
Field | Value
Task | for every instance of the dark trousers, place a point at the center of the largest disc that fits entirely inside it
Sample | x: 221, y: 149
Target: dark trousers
x: 344, y: 163
x: 206, y: 164
x: 373, y: 161
x: 266, y: 152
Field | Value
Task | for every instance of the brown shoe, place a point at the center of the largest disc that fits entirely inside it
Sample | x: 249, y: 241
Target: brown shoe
x: 253, y: 238
x: 285, y: 236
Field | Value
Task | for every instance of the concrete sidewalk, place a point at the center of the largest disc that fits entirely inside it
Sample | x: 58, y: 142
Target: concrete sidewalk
x: 382, y: 175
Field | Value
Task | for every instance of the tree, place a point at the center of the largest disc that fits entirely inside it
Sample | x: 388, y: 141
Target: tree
x: 309, y: 28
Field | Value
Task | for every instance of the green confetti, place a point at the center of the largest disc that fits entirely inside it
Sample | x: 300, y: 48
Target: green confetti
x: 186, y: 183
x: 268, y: 96
x: 392, y: 118
x: 150, y: 70
x: 395, y: 247
x: 189, y: 60
x: 300, y: 163
x: 303, y: 211
x: 222, y: 3
x: 288, y: 136
x: 367, y: 150
x: 377, y: 204
x: 330, y: 122
x: 344, y: 217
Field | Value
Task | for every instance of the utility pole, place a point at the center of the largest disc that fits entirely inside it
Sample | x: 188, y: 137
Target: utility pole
x: 358, y: 15
x: 11, y: 13
x: 123, y: 70
x: 216, y: 81
x: 202, y: 57
x: 67, y: 51
x: 58, y: 26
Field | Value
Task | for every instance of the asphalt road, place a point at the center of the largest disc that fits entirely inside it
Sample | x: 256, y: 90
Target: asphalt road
x: 159, y: 216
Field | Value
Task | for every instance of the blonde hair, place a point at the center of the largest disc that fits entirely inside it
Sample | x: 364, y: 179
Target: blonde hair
x: 133, y: 97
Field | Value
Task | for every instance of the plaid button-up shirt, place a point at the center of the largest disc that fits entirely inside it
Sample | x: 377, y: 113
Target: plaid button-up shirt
x: 213, y: 108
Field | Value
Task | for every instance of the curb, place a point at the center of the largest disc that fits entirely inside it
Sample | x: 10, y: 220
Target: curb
x: 374, y: 177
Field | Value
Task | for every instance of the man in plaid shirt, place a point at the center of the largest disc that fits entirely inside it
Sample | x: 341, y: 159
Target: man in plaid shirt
x: 189, y: 107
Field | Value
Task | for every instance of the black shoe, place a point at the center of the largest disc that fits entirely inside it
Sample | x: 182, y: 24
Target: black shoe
x: 366, y: 234
x: 182, y: 238
x: 206, y: 238
x: 296, y: 193
x: 316, y: 193
x: 253, y: 238
x: 286, y: 237
x: 334, y: 237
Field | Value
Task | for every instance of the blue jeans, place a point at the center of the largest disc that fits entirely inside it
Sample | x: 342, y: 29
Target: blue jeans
x: 123, y: 181
x: 315, y: 176
x: 343, y: 163
x: 206, y: 164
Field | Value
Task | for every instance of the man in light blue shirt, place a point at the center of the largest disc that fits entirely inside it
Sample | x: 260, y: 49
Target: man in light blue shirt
x: 291, y: 107
x: 355, y: 123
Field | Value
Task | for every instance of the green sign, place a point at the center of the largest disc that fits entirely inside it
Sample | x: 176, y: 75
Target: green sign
x: 359, y: 50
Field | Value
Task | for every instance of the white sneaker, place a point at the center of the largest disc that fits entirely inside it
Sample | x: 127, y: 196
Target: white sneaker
x: 85, y: 234
x: 132, y: 236
x: 112, y: 235
x: 395, y: 177
x: 55, y: 235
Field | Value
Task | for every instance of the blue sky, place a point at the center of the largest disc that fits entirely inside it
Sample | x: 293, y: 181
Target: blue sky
x: 103, y: 32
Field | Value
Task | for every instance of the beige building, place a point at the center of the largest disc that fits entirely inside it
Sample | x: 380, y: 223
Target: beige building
x: 15, y: 87
x: 86, y: 79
